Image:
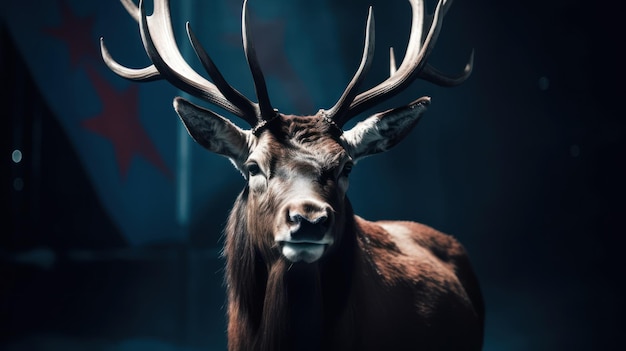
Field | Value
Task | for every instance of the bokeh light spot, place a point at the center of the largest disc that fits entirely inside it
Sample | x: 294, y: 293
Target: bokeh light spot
x: 16, y: 156
x: 18, y: 184
x: 544, y: 83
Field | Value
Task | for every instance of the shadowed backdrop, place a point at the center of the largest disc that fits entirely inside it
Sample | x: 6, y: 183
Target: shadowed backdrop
x: 112, y: 221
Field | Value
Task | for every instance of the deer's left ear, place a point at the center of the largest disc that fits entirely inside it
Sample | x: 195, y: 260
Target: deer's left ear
x: 214, y: 132
x: 383, y: 130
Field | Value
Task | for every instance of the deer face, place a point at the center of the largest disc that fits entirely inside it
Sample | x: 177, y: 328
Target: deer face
x: 297, y: 170
x: 297, y: 176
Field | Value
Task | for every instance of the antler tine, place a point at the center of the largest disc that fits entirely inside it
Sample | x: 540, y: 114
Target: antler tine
x: 248, y: 107
x: 413, y: 60
x: 413, y: 64
x: 146, y: 74
x: 413, y: 48
x: 392, y: 62
x: 433, y: 75
x: 168, y: 63
x: 132, y: 9
x: 168, y: 60
x: 265, y: 107
x: 337, y: 112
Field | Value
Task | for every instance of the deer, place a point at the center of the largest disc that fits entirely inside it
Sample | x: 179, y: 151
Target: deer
x: 302, y: 270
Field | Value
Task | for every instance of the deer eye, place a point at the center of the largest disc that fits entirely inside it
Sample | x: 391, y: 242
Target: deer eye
x: 253, y: 168
x: 347, y: 168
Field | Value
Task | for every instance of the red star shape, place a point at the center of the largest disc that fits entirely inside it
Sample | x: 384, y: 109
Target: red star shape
x: 76, y: 33
x: 119, y: 122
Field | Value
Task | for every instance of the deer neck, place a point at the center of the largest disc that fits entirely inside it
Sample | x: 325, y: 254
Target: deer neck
x: 296, y: 296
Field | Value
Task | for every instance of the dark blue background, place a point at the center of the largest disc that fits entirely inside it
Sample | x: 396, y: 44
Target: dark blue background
x: 523, y: 164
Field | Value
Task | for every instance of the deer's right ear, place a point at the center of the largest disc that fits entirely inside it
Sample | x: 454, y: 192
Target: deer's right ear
x: 214, y: 132
x: 383, y: 130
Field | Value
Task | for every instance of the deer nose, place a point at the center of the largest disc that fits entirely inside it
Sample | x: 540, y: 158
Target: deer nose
x: 309, y: 221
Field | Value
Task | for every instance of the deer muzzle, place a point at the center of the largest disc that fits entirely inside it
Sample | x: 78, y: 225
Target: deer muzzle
x: 306, y: 231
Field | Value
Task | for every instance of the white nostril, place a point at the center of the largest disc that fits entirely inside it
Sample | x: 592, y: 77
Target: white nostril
x: 302, y: 215
x: 295, y: 217
x: 320, y: 220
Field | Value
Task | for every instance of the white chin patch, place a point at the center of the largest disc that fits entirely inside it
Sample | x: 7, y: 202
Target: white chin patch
x: 307, y: 252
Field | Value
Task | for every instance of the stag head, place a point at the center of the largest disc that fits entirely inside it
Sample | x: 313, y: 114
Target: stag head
x: 296, y: 167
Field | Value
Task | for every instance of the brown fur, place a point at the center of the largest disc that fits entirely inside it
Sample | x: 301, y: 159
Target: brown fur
x: 382, y: 285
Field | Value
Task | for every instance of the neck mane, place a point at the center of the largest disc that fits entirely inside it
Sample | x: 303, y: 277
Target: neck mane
x: 277, y: 305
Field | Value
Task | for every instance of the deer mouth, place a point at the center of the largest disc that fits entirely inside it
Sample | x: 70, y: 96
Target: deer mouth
x: 303, y: 251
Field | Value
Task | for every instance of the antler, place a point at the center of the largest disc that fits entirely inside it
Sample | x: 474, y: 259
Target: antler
x: 168, y: 63
x: 413, y: 66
